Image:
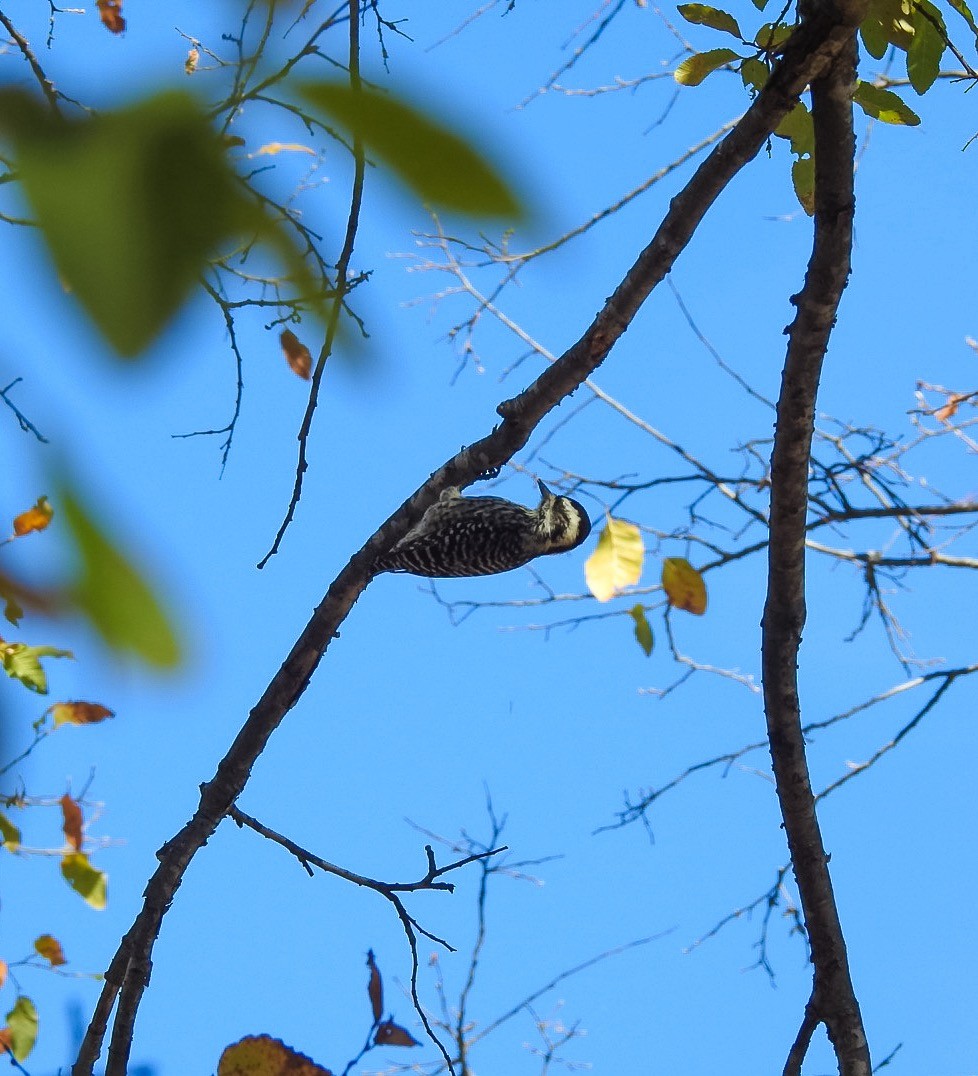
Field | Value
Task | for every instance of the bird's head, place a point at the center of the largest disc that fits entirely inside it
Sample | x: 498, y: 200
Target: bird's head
x: 563, y: 520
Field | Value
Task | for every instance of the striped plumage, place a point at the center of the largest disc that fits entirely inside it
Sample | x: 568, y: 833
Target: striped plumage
x: 462, y: 536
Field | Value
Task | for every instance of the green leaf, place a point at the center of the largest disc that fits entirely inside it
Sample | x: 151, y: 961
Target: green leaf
x: 965, y: 12
x: 441, y: 167
x: 22, y: 1022
x: 704, y: 15
x: 85, y: 880
x: 874, y: 36
x: 695, y: 68
x: 772, y: 35
x: 113, y: 594
x: 927, y: 47
x: 760, y: 4
x: 22, y: 662
x: 10, y: 834
x: 803, y: 180
x: 643, y: 629
x: 798, y: 128
x: 754, y: 73
x: 132, y: 205
x: 884, y: 105
x: 617, y: 561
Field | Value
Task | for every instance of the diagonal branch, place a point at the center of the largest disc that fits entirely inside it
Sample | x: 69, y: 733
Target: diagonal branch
x: 833, y: 1001
x: 807, y: 55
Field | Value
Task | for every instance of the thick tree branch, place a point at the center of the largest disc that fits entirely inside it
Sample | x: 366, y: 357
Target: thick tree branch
x: 833, y: 1001
x: 806, y: 56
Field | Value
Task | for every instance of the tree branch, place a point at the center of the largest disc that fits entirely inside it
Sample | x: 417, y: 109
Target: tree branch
x: 833, y: 999
x: 807, y: 55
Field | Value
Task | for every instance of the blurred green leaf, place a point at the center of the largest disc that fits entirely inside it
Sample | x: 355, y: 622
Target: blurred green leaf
x: 90, y: 884
x: 927, y: 47
x: 643, y: 629
x: 22, y: 662
x: 113, y: 594
x: 704, y: 15
x: 12, y: 609
x: 131, y: 204
x: 22, y: 1022
x: 695, y: 68
x: 442, y: 168
x: 884, y: 105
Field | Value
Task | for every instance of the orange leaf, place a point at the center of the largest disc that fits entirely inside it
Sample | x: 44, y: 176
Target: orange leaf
x: 6, y: 1038
x: 3, y: 972
x: 950, y: 409
x: 261, y: 1055
x: 375, y: 988
x: 110, y: 12
x: 391, y: 1034
x: 72, y: 822
x: 79, y: 713
x: 297, y: 354
x: 34, y: 519
x: 50, y: 948
x: 684, y: 585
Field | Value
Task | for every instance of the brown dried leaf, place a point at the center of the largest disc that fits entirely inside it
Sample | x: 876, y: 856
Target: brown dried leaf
x: 375, y: 988
x: 6, y: 1038
x: 110, y: 12
x: 50, y: 948
x: 190, y: 64
x: 261, y: 1055
x: 34, y: 519
x: 72, y: 822
x: 391, y: 1034
x: 79, y: 713
x: 297, y: 354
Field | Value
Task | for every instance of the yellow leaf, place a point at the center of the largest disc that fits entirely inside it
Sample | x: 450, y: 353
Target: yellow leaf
x: 9, y: 833
x: 261, y: 1055
x: 34, y: 519
x: 84, y: 879
x: 269, y: 149
x: 22, y: 1028
x: 617, y: 561
x: 684, y: 585
x: 50, y: 948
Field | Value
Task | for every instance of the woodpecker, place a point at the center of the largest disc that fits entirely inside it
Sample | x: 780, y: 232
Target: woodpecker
x: 460, y: 536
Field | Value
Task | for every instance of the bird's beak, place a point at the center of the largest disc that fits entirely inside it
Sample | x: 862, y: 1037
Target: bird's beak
x: 545, y: 494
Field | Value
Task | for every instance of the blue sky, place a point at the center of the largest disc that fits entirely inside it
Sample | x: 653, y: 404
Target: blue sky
x: 410, y: 717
